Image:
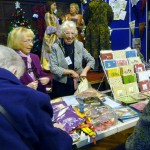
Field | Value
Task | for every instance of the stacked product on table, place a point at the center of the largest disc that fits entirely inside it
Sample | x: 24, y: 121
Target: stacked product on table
x: 85, y: 114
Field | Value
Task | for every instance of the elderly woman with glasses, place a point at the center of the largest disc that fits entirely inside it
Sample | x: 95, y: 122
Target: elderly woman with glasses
x: 66, y: 61
x: 21, y: 40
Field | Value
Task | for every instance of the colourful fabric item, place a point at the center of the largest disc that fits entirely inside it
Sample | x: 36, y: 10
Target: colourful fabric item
x: 97, y: 17
x: 50, y: 37
x: 29, y: 61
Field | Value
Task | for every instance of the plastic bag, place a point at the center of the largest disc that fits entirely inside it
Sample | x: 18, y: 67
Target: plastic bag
x: 83, y: 85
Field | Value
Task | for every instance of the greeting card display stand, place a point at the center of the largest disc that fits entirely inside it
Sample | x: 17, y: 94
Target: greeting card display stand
x: 125, y: 73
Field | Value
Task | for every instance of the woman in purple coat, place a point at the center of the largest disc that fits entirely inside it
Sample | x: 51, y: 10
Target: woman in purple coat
x: 21, y: 40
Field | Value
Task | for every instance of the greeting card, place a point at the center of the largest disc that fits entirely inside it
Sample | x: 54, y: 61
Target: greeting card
x: 116, y: 81
x: 131, y: 53
x: 131, y: 88
x: 129, y: 78
x: 121, y: 62
x: 139, y: 67
x: 128, y: 69
x: 110, y: 63
x: 106, y: 56
x: 143, y: 75
x: 144, y: 85
x: 140, y: 105
x: 68, y: 118
x: 119, y: 91
x: 146, y: 93
x: 114, y: 72
x: 127, y: 100
x: 134, y: 60
x: 119, y: 54
x: 139, y: 96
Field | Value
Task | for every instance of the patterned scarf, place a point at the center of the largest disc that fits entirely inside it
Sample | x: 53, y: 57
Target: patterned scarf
x: 29, y: 61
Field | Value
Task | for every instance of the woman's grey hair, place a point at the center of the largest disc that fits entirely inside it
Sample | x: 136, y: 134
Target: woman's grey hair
x: 68, y: 24
x: 9, y: 59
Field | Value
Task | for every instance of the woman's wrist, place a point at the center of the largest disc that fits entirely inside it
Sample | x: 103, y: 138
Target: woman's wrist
x: 70, y: 71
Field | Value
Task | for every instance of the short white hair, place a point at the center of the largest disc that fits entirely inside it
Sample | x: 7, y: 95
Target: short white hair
x: 68, y: 24
x: 9, y: 59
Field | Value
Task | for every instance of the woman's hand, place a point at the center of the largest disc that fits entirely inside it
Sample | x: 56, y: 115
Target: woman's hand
x: 44, y: 80
x: 83, y: 74
x: 85, y: 71
x: 33, y: 85
x: 74, y: 74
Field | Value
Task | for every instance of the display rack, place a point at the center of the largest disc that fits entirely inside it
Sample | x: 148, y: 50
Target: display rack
x: 131, y: 58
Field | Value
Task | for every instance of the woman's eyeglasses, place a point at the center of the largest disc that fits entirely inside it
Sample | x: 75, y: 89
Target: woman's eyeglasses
x: 69, y: 33
x: 28, y: 41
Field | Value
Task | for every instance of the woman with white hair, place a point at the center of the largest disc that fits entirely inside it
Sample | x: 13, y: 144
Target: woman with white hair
x: 66, y: 61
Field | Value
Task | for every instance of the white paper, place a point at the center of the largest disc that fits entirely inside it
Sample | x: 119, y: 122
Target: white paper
x: 70, y: 100
x: 122, y: 15
x: 123, y: 5
x: 111, y: 102
x: 134, y: 2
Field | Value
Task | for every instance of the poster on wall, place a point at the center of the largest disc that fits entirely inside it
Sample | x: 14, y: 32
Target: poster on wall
x: 119, y: 9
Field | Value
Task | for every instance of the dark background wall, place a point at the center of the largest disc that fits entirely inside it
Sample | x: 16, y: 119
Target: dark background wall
x: 7, y: 8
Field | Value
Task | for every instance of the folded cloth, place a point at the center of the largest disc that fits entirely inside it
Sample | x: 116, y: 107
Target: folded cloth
x: 51, y: 30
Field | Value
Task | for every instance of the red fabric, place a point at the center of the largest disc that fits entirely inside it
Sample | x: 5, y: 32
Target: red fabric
x: 143, y: 5
x: 40, y: 10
